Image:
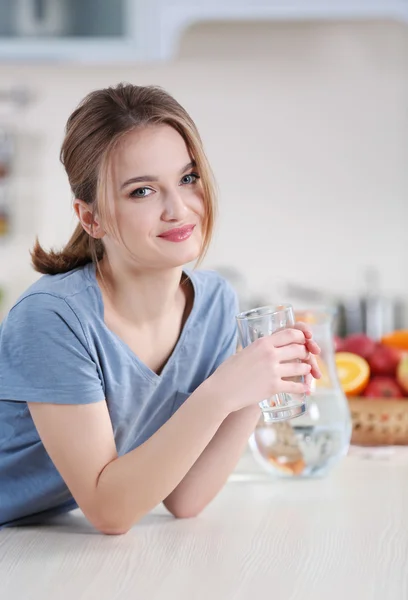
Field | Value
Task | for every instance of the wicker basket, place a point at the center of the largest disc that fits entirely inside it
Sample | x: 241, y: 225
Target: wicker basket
x: 379, y: 422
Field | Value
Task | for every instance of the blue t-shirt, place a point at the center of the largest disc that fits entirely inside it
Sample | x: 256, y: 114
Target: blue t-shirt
x: 56, y: 348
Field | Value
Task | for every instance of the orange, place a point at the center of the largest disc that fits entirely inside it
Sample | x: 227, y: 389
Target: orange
x: 353, y: 372
x: 396, y: 339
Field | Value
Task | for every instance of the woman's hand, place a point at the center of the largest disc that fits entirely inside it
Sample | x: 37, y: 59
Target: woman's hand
x: 266, y: 367
x: 313, y: 349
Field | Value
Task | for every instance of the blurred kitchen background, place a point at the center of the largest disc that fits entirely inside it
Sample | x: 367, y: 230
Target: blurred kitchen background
x: 303, y: 109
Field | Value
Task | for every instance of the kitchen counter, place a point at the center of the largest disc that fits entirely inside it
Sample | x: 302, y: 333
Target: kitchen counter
x: 341, y: 537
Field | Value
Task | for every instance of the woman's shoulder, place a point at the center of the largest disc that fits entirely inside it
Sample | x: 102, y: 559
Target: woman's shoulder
x: 211, y: 288
x: 54, y: 292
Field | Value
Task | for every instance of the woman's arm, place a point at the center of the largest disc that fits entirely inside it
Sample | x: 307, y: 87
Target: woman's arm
x: 115, y: 492
x: 211, y: 470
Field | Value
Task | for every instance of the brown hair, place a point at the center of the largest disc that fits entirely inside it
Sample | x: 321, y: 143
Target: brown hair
x: 92, y: 131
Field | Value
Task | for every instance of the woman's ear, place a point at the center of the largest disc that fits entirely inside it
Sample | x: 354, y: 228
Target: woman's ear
x: 89, y: 222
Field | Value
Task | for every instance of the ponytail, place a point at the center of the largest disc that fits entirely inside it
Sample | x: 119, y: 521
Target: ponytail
x: 80, y: 250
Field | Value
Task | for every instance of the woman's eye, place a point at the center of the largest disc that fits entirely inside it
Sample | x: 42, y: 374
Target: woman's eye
x: 190, y: 178
x: 141, y: 192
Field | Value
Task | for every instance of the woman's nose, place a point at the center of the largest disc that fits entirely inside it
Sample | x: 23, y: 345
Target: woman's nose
x: 174, y: 208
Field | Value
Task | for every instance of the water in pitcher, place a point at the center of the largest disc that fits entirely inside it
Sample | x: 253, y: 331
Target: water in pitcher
x: 308, y: 445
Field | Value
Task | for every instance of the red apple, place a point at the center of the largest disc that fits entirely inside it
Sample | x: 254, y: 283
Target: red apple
x: 383, y: 387
x: 338, y: 343
x: 384, y: 360
x: 359, y: 343
x: 402, y: 373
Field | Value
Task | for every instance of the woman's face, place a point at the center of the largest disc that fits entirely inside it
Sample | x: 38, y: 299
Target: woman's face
x: 158, y: 200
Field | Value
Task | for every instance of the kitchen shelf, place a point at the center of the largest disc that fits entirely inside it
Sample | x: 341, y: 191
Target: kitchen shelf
x: 102, y: 31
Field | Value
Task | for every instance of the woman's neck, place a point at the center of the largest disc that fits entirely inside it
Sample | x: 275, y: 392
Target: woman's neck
x: 142, y: 298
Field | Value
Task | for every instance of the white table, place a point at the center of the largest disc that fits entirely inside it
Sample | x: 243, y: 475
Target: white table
x: 344, y: 537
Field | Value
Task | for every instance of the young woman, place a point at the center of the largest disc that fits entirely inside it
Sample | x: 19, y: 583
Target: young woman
x: 119, y: 383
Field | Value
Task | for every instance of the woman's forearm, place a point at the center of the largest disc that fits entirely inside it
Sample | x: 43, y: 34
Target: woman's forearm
x: 133, y: 484
x: 211, y: 470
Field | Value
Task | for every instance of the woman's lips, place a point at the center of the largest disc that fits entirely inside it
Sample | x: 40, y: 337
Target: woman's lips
x: 178, y: 234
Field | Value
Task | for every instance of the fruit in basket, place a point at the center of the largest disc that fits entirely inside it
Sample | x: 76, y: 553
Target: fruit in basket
x: 396, y: 339
x: 383, y: 387
x: 359, y: 343
x: 402, y: 373
x: 384, y: 360
x: 353, y: 372
x: 338, y: 343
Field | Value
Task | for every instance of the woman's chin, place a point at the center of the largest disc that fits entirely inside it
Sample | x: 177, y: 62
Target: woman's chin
x: 182, y: 255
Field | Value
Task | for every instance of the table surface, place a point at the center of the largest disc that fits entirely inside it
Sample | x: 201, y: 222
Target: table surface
x: 341, y: 537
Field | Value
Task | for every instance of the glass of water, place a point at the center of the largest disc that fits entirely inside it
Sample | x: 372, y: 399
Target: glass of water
x: 257, y: 323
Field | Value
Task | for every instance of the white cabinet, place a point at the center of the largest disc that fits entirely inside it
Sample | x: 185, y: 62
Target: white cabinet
x: 70, y: 30
x: 175, y: 16
x: 92, y: 31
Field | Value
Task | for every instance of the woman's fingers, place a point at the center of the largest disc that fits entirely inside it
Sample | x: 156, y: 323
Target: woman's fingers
x: 315, y: 371
x: 290, y: 335
x: 312, y: 347
x: 293, y: 352
x: 310, y: 343
x: 293, y: 387
x: 296, y: 343
x: 294, y: 369
x: 305, y: 329
x: 299, y: 352
x: 298, y: 334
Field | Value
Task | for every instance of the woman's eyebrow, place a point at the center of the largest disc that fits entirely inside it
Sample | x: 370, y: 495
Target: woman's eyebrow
x: 151, y: 178
x: 188, y: 166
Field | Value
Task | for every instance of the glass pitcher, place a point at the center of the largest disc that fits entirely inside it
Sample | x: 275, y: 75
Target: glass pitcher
x: 312, y: 443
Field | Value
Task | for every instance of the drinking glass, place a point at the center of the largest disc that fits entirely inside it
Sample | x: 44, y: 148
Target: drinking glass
x: 257, y: 323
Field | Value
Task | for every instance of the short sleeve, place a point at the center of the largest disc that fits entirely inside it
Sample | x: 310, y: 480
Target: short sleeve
x: 44, y: 354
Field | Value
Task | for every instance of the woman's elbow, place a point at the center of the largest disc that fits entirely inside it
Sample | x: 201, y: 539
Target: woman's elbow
x: 113, y: 530
x: 185, y: 511
x: 109, y: 525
